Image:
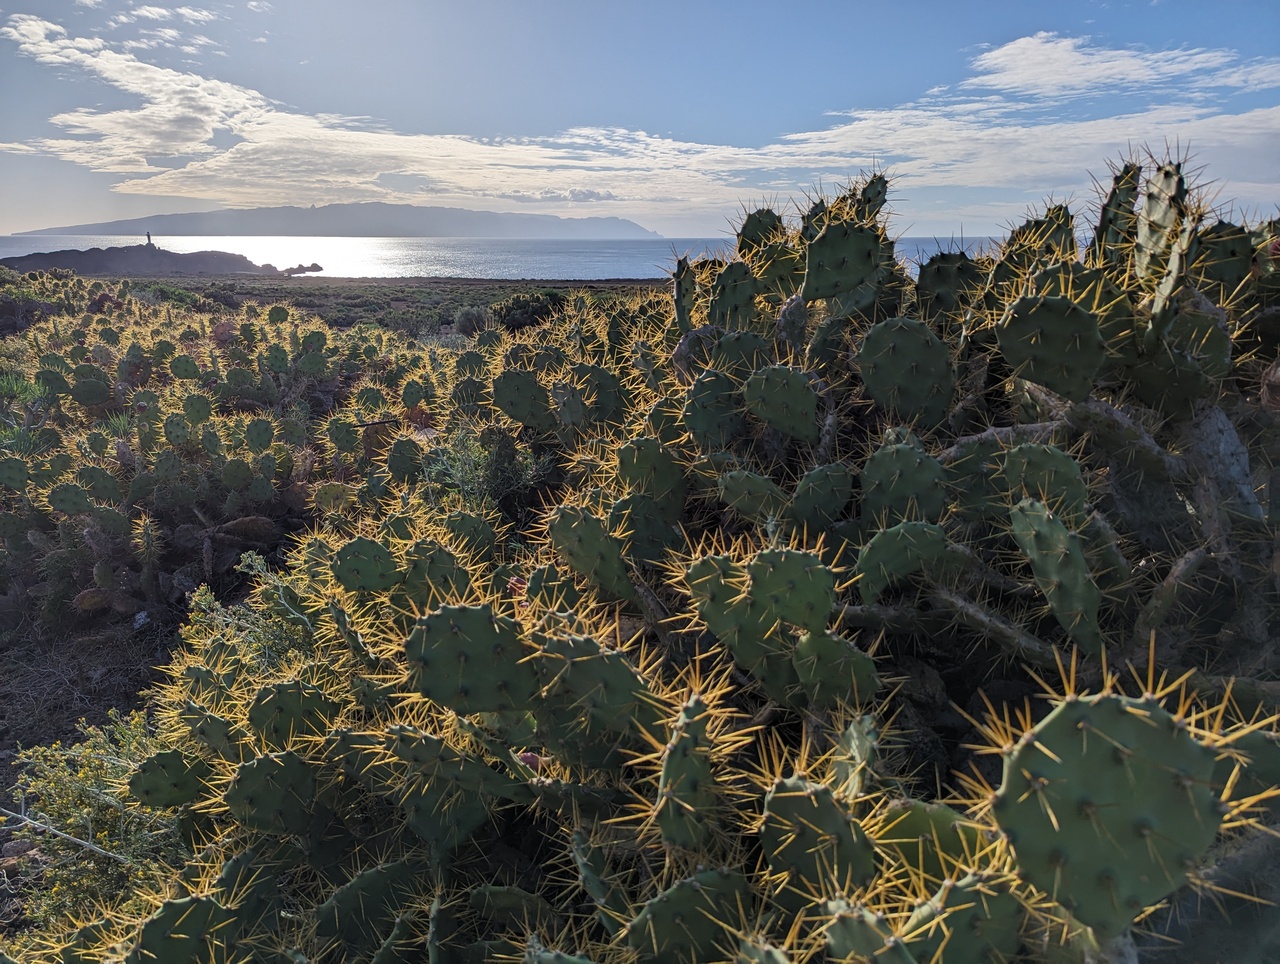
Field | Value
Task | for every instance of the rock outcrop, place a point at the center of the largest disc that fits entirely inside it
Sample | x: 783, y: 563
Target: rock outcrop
x: 142, y: 260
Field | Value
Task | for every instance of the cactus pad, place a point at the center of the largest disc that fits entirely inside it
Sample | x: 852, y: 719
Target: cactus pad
x: 907, y: 370
x: 1053, y: 342
x: 1107, y: 802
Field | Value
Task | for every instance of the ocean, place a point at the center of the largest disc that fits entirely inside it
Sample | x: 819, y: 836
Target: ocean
x: 491, y: 258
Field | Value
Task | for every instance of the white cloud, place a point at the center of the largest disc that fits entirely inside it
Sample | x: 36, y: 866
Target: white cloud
x: 192, y: 15
x: 89, y: 3
x: 259, y: 6
x: 152, y: 13
x: 1049, y: 66
x: 995, y: 136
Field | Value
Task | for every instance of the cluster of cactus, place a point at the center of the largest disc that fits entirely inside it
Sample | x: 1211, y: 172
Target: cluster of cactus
x: 153, y: 452
x: 680, y: 717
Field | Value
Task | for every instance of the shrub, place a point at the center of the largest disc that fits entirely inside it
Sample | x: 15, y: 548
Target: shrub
x: 523, y: 309
x: 470, y: 320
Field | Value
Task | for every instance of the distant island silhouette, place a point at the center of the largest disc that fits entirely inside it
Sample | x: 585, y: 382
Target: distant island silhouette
x: 147, y: 260
x: 365, y: 220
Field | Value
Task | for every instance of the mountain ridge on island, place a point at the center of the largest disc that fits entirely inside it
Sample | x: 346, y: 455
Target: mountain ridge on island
x: 371, y: 219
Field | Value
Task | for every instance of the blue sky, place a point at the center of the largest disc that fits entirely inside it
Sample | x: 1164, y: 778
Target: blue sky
x: 678, y: 115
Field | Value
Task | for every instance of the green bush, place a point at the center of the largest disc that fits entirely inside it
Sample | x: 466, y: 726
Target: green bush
x: 522, y: 310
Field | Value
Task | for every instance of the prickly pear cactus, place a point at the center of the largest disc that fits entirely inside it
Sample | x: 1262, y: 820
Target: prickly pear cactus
x: 685, y: 627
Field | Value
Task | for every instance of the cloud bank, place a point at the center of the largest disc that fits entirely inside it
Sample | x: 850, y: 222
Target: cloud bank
x: 1013, y: 126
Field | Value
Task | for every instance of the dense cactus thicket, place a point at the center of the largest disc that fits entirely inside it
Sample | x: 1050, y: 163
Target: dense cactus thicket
x: 700, y: 627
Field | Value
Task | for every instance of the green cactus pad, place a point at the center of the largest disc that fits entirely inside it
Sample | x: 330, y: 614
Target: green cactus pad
x: 358, y: 916
x: 857, y: 755
x: 169, y: 779
x: 343, y: 434
x: 741, y: 621
x: 184, y: 929
x: 283, y: 710
x: 646, y: 534
x: 596, y: 878
x: 583, y: 541
x: 1107, y: 803
x: 100, y: 484
x: 522, y: 398
x: 947, y: 283
x: 13, y: 473
x: 687, y: 798
x: 783, y: 399
x: 601, y: 388
x: 471, y: 535
x: 833, y: 671
x: 1053, y: 342
x: 177, y: 430
x: 814, y: 848
x: 1094, y: 290
x: 276, y: 359
x: 895, y: 553
x: 471, y: 661
x: 854, y: 932
x: 433, y: 574
x: 404, y: 460
x: 184, y: 367
x: 931, y: 837
x: 1049, y: 475
x: 273, y: 793
x: 733, y: 296
x: 509, y: 906
x: 691, y: 920
x: 907, y: 370
x: 1060, y: 571
x: 213, y: 731
x: 70, y: 498
x: 363, y: 565
x: 712, y: 414
x: 843, y: 256
x: 90, y: 392
x: 793, y: 586
x: 237, y: 474
x: 754, y: 497
x: 968, y: 921
x: 447, y: 771
x: 822, y: 495
x: 684, y: 293
x: 54, y: 382
x: 759, y: 228
x: 902, y: 483
x: 646, y: 465
x: 259, y: 434
x: 552, y: 589
x: 739, y: 353
x: 197, y: 409
x: 1170, y: 381
x: 595, y: 704
x: 312, y: 364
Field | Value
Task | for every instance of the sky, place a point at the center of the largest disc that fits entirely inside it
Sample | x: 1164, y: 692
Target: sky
x: 677, y: 114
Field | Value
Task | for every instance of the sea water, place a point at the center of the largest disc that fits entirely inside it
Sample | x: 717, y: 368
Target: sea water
x: 492, y: 258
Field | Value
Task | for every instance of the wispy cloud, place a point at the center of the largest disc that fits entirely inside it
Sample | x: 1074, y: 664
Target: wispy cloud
x: 991, y: 131
x: 192, y: 15
x: 1049, y: 66
x: 141, y: 13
